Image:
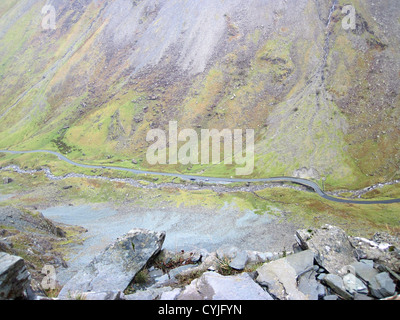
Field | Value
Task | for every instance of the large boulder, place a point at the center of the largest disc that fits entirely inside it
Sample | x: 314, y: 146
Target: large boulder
x: 382, y: 286
x: 281, y: 276
x: 213, y: 286
x: 332, y: 248
x: 114, y: 269
x: 14, y: 277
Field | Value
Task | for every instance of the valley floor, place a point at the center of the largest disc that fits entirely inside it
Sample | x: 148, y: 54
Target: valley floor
x: 193, y: 217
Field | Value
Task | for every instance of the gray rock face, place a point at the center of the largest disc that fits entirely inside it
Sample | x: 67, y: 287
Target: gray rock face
x: 106, y: 296
x: 337, y: 285
x: 241, y: 258
x: 114, y: 269
x: 171, y: 277
x: 14, y: 277
x: 302, y: 261
x: 171, y: 295
x: 385, y: 253
x: 354, y: 285
x: 227, y: 252
x: 382, y: 286
x: 149, y: 294
x: 213, y: 286
x: 365, y: 272
x: 28, y: 221
x: 280, y: 276
x: 308, y: 285
x: 240, y: 261
x: 331, y: 298
x: 262, y: 257
x: 331, y: 246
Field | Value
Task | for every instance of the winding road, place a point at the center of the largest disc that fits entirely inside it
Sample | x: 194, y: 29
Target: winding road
x: 307, y: 183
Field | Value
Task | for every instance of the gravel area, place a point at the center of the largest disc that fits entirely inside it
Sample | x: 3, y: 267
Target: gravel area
x: 186, y: 228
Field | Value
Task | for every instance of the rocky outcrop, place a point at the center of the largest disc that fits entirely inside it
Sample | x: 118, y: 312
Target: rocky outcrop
x: 280, y: 277
x: 114, y: 269
x: 14, y: 277
x: 382, y: 286
x: 326, y: 268
x: 37, y: 239
x: 331, y: 246
x: 382, y: 248
x: 133, y: 268
x: 239, y: 259
x: 32, y: 221
x: 336, y: 284
x: 213, y: 286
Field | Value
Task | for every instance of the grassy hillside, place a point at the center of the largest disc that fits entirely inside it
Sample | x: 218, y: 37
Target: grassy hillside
x: 318, y: 97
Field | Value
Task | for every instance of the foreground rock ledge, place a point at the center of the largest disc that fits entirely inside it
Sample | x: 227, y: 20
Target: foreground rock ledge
x: 115, y: 268
x: 14, y: 277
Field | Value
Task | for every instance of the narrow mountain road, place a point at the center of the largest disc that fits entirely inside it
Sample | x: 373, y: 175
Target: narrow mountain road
x: 307, y: 183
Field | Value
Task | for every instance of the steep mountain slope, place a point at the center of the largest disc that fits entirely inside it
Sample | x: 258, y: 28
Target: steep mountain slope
x: 319, y: 97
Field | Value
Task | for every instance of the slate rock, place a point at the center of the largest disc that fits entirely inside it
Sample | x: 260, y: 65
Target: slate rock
x: 213, y: 286
x: 362, y: 297
x: 302, y: 261
x: 104, y: 296
x: 170, y: 277
x: 256, y: 257
x: 280, y: 276
x: 308, y: 285
x: 336, y: 284
x: 171, y: 295
x: 331, y: 297
x: 148, y: 295
x: 14, y: 277
x: 354, y: 285
x: 387, y: 254
x: 382, y: 286
x: 331, y: 246
x: 117, y: 265
x: 364, y: 271
x: 240, y: 261
x: 227, y: 252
